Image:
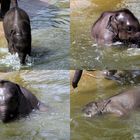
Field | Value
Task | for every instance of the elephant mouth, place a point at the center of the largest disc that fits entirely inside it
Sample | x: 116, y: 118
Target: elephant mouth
x: 87, y: 115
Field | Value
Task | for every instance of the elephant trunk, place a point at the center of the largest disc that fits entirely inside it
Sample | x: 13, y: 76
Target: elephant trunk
x: 135, y: 40
x: 76, y: 78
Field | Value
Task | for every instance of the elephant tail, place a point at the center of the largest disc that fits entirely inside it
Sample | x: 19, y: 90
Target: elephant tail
x: 14, y: 3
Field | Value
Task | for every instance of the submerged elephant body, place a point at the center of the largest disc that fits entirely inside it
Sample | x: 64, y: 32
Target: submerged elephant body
x: 17, y: 31
x: 120, y: 104
x: 115, y: 26
x: 16, y: 101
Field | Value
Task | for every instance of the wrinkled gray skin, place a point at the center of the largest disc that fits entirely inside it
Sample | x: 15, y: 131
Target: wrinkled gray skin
x: 115, y: 26
x: 17, y: 31
x: 16, y: 101
x: 119, y: 105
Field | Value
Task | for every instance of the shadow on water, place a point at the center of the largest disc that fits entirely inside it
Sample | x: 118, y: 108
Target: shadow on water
x: 85, y: 54
x: 50, y: 36
x: 107, y: 127
x: 51, y: 88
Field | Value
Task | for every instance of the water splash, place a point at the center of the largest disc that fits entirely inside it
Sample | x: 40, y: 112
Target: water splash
x: 13, y: 61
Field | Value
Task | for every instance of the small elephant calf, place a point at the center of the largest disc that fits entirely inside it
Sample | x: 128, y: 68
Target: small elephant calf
x: 16, y: 101
x: 17, y: 31
x: 114, y: 26
x: 120, y: 104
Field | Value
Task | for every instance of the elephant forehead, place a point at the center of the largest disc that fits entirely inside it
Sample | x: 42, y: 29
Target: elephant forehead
x: 127, y: 22
x: 3, y: 94
x: 126, y: 18
x: 121, y: 16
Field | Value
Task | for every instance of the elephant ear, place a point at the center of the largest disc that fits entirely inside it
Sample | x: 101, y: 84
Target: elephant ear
x: 113, y: 25
x: 105, y: 103
x: 24, y: 105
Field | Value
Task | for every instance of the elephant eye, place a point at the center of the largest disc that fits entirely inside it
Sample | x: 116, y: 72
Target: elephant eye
x: 88, y: 112
x: 129, y: 29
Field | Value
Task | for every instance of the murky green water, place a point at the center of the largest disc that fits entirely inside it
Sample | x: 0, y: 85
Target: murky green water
x: 105, y: 127
x: 50, y: 36
x: 85, y: 53
x: 52, y: 88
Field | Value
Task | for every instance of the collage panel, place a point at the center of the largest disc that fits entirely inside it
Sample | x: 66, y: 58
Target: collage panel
x: 105, y: 34
x: 45, y: 39
x: 105, y: 105
x: 69, y: 69
x: 44, y: 92
x: 34, y: 69
x: 104, y: 76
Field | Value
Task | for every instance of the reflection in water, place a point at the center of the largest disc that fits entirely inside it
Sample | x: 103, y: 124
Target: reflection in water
x: 51, y: 88
x: 93, y: 88
x: 50, y: 36
x: 85, y: 53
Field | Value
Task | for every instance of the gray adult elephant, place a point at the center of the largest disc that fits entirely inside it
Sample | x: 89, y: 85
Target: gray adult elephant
x: 16, y: 101
x: 113, y: 26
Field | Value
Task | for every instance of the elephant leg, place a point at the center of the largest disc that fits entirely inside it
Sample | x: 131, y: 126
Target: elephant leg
x: 5, y: 6
x: 22, y: 57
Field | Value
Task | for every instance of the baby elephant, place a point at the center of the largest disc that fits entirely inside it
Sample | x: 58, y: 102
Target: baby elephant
x: 114, y: 26
x: 119, y: 105
x: 17, y: 31
x: 16, y: 101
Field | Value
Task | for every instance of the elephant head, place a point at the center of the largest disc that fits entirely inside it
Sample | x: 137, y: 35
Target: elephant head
x: 95, y: 108
x: 15, y: 101
x: 124, y: 25
x: 9, y: 100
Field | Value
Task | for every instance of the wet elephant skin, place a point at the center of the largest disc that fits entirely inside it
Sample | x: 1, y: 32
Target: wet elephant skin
x: 17, y: 31
x: 15, y: 101
x: 114, y: 26
x: 119, y: 105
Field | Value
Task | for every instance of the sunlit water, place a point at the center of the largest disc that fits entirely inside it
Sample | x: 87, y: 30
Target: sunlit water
x: 50, y: 36
x: 51, y: 88
x: 85, y: 54
x: 93, y: 86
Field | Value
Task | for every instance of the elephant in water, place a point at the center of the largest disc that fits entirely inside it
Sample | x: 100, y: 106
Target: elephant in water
x: 17, y: 31
x: 119, y: 105
x: 16, y: 101
x: 117, y: 26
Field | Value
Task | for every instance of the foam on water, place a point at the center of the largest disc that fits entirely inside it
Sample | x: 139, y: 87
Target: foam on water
x: 13, y: 61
